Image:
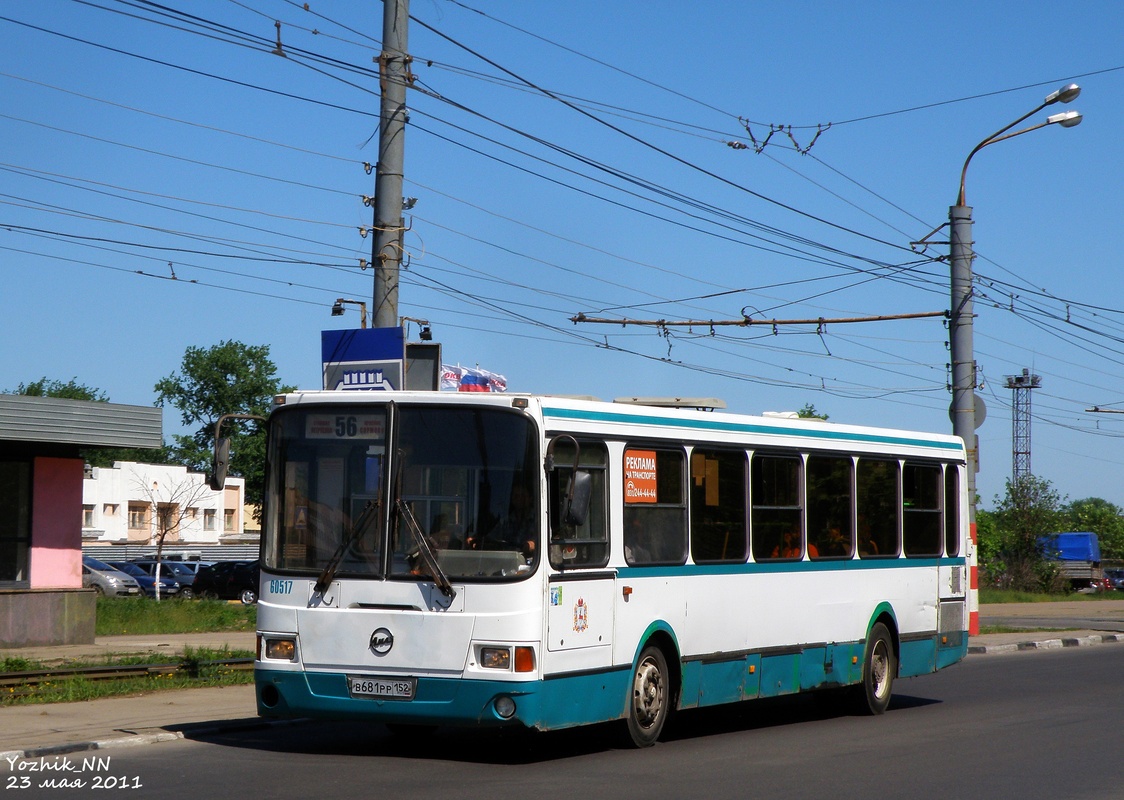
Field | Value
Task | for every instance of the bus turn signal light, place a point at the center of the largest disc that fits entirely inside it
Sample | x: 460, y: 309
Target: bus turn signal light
x: 524, y: 659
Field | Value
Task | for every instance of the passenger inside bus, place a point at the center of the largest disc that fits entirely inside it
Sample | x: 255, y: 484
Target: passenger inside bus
x: 637, y: 542
x: 868, y: 546
x: 790, y: 547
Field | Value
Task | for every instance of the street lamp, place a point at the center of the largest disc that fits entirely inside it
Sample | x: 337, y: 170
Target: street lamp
x: 426, y: 333
x: 337, y: 310
x: 963, y: 410
x: 1067, y: 119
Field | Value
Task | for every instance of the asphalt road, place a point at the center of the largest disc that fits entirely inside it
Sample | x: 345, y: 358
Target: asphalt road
x: 1019, y: 726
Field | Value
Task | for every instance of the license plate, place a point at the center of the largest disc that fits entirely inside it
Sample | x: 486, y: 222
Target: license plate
x: 386, y: 688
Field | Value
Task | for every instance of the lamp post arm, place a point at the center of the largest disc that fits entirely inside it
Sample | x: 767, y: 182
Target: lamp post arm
x: 995, y: 137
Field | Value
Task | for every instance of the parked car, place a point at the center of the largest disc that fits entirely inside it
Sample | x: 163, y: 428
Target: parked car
x: 169, y: 587
x: 182, y: 574
x: 194, y: 566
x: 1116, y: 578
x: 106, y: 580
x: 229, y: 580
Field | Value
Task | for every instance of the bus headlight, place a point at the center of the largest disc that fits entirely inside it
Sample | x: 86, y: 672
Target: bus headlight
x: 281, y: 649
x: 495, y: 658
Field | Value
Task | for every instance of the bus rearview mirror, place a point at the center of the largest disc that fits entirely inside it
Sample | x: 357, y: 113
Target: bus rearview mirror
x: 219, y: 464
x: 577, y: 498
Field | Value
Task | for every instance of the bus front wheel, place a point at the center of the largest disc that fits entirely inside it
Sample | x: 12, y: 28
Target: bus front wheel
x: 879, y: 668
x: 648, y: 704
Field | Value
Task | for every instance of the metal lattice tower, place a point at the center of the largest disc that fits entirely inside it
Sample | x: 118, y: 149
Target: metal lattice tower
x: 1020, y: 422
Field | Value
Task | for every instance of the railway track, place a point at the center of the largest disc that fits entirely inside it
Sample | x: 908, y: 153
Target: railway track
x: 17, y: 683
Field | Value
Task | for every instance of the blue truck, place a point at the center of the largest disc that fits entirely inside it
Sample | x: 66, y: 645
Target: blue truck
x: 1078, y: 555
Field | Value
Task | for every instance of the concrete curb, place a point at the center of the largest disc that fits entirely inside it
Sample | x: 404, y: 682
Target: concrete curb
x: 81, y: 747
x: 142, y: 739
x: 1046, y: 644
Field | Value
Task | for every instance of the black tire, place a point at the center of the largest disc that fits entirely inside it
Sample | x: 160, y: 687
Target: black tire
x: 98, y: 590
x: 248, y: 597
x: 187, y: 593
x: 880, y: 666
x: 649, y: 699
x: 209, y: 594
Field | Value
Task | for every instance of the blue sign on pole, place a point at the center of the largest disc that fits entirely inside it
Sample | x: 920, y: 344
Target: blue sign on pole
x: 364, y: 359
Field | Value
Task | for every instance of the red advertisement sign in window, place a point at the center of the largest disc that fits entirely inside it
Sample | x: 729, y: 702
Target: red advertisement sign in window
x: 640, y: 476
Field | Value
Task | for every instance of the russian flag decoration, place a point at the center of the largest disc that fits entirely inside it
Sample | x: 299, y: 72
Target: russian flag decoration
x: 467, y: 379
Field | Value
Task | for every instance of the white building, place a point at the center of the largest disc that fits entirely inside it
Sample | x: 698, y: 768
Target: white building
x: 134, y: 503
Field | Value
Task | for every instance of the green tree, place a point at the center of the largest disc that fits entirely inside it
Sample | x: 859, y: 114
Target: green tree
x: 71, y: 390
x: 809, y: 412
x: 228, y: 378
x: 989, y: 545
x: 1102, y: 518
x: 94, y: 456
x: 1030, y: 509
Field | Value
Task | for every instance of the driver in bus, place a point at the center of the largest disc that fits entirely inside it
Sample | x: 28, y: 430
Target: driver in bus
x: 517, y: 529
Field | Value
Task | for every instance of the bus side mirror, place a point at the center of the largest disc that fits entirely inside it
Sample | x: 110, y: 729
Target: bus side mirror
x: 578, y: 493
x: 220, y: 462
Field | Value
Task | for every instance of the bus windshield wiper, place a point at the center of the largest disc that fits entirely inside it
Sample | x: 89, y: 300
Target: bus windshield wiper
x: 426, y: 552
x: 356, y: 532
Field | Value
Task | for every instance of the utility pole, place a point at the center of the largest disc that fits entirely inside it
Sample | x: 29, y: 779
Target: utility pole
x: 961, y: 351
x: 394, y: 75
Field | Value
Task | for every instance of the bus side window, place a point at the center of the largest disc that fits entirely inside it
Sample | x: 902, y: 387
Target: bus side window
x: 921, y: 503
x: 879, y: 509
x: 585, y: 545
x: 830, y: 503
x: 718, y: 505
x: 655, y: 518
x: 951, y: 510
x: 776, y: 523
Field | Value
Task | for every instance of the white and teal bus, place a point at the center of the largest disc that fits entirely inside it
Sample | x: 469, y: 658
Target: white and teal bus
x: 483, y: 559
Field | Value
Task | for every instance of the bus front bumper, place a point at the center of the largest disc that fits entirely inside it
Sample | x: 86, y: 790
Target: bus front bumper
x: 544, y: 705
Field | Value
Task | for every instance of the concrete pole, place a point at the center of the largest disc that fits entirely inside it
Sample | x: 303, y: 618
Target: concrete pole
x: 963, y: 410
x: 386, y: 250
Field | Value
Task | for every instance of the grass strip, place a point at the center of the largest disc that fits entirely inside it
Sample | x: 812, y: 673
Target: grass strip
x: 194, y: 670
x: 1009, y: 596
x: 117, y: 616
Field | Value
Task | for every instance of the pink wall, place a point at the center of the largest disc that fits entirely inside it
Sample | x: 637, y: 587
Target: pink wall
x: 56, y: 523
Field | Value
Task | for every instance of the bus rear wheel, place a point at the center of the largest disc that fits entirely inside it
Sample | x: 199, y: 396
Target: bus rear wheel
x: 879, y: 668
x: 649, y: 702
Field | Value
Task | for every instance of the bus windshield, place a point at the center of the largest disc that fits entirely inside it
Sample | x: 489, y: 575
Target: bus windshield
x: 364, y: 490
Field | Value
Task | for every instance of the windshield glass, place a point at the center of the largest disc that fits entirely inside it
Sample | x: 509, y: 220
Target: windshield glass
x: 470, y: 480
x: 345, y: 502
x: 325, y: 471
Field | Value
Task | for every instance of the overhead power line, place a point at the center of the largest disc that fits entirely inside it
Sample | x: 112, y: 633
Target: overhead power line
x: 746, y: 321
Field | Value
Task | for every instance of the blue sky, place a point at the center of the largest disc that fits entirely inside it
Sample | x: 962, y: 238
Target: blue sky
x: 142, y: 145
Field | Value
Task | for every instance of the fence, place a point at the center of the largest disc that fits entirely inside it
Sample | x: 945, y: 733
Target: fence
x: 177, y: 551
